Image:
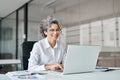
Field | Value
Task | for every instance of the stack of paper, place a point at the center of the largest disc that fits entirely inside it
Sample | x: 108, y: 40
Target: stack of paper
x: 18, y: 75
x: 26, y: 75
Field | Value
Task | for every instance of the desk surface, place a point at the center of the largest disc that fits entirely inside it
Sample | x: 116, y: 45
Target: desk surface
x: 111, y: 75
x: 10, y: 61
x: 4, y: 77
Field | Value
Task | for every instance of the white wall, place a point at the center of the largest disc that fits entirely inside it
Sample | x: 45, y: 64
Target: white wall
x: 88, y: 11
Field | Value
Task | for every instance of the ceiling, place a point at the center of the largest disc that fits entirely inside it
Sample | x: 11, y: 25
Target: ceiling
x: 39, y: 7
x: 69, y: 12
x: 8, y: 6
x: 57, y: 8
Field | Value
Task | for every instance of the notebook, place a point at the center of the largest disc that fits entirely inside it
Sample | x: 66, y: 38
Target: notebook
x: 80, y: 59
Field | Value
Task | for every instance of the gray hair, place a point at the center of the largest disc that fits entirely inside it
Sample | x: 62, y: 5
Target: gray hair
x: 47, y: 24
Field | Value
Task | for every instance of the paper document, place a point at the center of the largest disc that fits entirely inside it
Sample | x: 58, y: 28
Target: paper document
x: 26, y: 75
x: 18, y: 75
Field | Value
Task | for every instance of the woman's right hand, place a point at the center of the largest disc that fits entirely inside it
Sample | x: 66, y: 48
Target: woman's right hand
x: 54, y: 66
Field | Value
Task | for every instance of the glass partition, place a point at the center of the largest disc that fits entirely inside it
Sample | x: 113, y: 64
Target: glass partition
x: 20, y: 31
x: 8, y: 36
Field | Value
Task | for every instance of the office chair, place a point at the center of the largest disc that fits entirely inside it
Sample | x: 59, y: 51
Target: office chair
x: 26, y: 48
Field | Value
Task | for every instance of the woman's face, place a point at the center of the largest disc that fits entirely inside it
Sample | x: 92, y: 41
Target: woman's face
x: 53, y: 32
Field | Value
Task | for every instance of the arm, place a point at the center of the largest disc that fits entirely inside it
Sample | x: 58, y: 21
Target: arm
x: 34, y: 64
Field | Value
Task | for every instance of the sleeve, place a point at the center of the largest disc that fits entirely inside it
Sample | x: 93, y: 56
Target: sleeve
x: 64, y: 55
x: 34, y: 64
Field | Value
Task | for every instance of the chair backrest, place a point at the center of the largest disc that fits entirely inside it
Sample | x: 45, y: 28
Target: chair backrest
x: 26, y: 48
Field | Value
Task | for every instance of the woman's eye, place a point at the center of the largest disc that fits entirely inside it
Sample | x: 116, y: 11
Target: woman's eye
x: 52, y: 30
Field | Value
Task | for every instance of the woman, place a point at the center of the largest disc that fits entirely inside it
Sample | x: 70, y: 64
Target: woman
x: 48, y: 53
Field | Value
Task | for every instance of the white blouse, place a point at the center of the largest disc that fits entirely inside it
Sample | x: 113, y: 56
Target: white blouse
x: 42, y: 53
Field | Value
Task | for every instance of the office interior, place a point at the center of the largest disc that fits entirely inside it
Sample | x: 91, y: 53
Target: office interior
x: 83, y: 22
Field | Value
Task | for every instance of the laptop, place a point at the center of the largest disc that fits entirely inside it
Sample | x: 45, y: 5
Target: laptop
x: 81, y: 59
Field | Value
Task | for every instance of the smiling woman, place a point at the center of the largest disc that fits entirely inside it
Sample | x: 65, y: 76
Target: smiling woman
x: 49, y: 52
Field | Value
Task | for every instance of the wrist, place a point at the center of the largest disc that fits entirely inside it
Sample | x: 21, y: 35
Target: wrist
x: 46, y: 67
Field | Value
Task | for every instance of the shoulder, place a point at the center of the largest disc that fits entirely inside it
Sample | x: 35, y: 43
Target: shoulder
x: 39, y: 43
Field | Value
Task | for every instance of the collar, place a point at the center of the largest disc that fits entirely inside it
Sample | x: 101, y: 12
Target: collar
x: 48, y: 45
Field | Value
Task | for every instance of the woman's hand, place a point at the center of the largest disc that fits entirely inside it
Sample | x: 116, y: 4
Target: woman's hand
x: 54, y: 66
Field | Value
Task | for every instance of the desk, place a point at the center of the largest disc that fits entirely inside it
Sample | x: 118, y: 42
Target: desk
x: 4, y: 77
x: 111, y: 75
x: 9, y: 61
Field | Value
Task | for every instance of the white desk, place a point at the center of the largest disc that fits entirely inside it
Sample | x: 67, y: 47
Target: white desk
x: 111, y: 75
x: 10, y: 61
x: 4, y: 77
